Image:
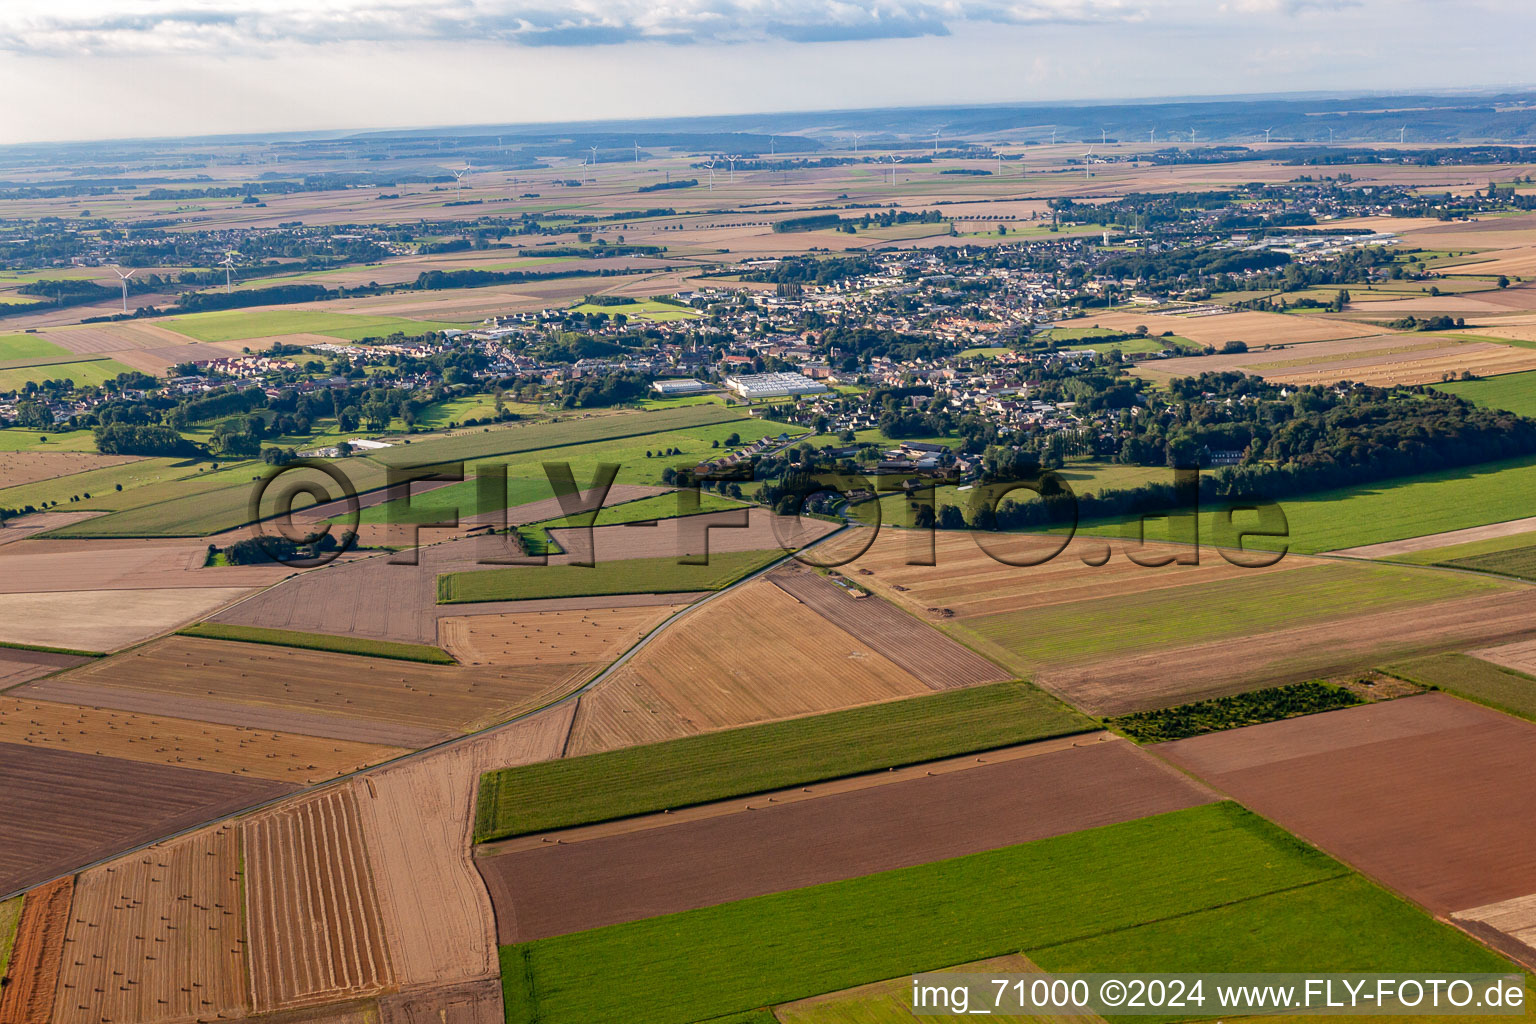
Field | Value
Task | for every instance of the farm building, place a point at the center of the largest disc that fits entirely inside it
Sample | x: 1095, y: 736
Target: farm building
x: 773, y: 385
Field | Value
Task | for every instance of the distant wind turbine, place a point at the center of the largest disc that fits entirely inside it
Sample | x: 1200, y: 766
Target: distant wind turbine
x: 1402, y: 134
x: 228, y: 263
x: 124, y: 278
x: 594, y: 163
x: 710, y: 166
x: 936, y: 142
x: 856, y: 142
x: 1266, y: 134
x: 1103, y: 136
x: 892, y: 158
x: 1151, y: 134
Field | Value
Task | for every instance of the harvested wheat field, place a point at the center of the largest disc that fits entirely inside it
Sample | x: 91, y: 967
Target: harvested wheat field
x: 1519, y: 656
x: 1426, y: 794
x: 589, y: 637
x: 29, y: 467
x: 1255, y: 329
x: 157, y: 936
x: 104, y: 620
x: 774, y: 842
x: 409, y: 703
x: 49, y: 564
x: 416, y: 820
x: 33, y: 973
x: 20, y: 666
x: 161, y: 739
x: 316, y: 933
x: 61, y: 810
x: 754, y: 654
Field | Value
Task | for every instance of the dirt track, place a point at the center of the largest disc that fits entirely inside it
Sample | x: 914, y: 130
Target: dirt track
x: 556, y: 889
x: 59, y: 810
x: 1389, y: 548
x: 1429, y: 795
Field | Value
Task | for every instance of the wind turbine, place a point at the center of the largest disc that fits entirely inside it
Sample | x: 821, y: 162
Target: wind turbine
x: 1103, y: 136
x: 124, y: 278
x: 1053, y: 136
x: 936, y: 142
x: 1266, y: 135
x: 1087, y: 157
x: 710, y: 166
x: 856, y: 141
x: 771, y: 150
x: 1330, y: 136
x: 892, y: 158
x: 732, y: 161
x: 1191, y: 136
x: 1402, y: 133
x: 1151, y: 134
x: 228, y: 263
x: 458, y: 176
x: 637, y: 152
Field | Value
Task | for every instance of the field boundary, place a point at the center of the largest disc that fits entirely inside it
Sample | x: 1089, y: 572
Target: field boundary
x: 357, y: 646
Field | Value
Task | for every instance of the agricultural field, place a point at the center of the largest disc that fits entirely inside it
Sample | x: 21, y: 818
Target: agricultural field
x: 10, y: 917
x: 60, y: 809
x: 320, y: 642
x: 15, y: 348
x: 95, y: 620
x: 1432, y: 767
x: 82, y: 371
x: 567, y: 636
x: 630, y: 576
x: 316, y: 930
x: 737, y: 762
x: 1232, y: 891
x: 928, y: 812
x: 247, y: 325
x: 782, y: 659
x: 1495, y: 676
x: 646, y: 310
x: 37, y: 954
x: 158, y: 935
x: 1514, y: 392
x: 21, y: 468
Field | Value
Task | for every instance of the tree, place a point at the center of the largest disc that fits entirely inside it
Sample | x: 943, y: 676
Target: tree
x: 349, y: 418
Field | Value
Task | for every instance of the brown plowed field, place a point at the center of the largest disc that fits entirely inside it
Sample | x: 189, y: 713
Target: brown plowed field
x: 475, y: 1002
x: 968, y: 581
x: 914, y: 645
x: 752, y: 655
x: 33, y: 973
x: 206, y: 746
x: 48, y: 566
x: 759, y: 846
x: 1116, y: 686
x: 433, y: 700
x: 105, y: 620
x: 157, y: 936
x: 1426, y: 794
x: 416, y: 819
x: 587, y: 637
x: 316, y: 934
x: 60, y: 810
x: 19, y: 666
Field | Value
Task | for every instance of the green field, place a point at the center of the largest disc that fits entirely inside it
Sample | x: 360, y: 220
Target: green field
x: 1449, y: 499
x: 1212, y: 888
x: 84, y: 372
x: 10, y: 919
x: 24, y: 439
x: 758, y: 758
x: 476, y: 407
x: 1508, y: 691
x: 1467, y: 549
x: 358, y: 645
x: 645, y: 309
x: 1230, y: 608
x: 15, y: 347
x: 101, y: 484
x: 1515, y: 561
x: 537, y: 541
x: 1252, y: 708
x: 1514, y: 392
x: 629, y: 576
x: 243, y: 325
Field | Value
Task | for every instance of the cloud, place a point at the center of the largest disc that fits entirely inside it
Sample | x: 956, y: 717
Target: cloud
x: 224, y: 27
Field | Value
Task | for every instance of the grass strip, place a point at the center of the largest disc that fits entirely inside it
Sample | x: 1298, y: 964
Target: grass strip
x: 1502, y: 689
x: 362, y: 646
x: 628, y: 576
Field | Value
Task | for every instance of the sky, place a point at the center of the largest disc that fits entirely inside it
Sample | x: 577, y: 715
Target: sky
x: 92, y: 69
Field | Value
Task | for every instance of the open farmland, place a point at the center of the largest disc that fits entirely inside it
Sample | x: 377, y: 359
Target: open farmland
x: 928, y: 812
x: 104, y: 620
x: 927, y: 653
x: 1495, y: 676
x: 752, y: 655
x: 1252, y: 328
x: 739, y: 762
x: 30, y: 467
x: 37, y: 954
x: 316, y: 933
x: 1419, y: 792
x: 18, y: 666
x: 158, y: 737
x: 667, y: 575
x: 158, y: 936
x: 1515, y: 392
x: 410, y: 704
x: 417, y: 818
x: 45, y: 565
x: 577, y: 636
x: 61, y: 809
x: 1215, y: 872
x: 245, y: 325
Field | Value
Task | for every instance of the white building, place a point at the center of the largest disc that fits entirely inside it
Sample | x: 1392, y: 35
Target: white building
x: 679, y: 386
x: 774, y: 385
